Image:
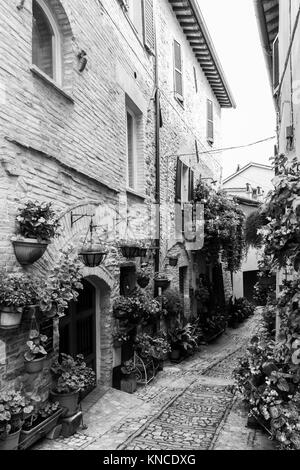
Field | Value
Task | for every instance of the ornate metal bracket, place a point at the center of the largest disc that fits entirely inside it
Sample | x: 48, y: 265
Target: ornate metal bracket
x: 76, y: 217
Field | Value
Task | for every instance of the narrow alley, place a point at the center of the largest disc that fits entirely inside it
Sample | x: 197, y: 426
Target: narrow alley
x: 190, y: 406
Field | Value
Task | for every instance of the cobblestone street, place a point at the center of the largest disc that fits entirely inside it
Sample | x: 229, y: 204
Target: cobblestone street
x: 190, y: 406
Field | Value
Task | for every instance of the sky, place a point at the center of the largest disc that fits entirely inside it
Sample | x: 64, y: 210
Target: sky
x: 233, y: 27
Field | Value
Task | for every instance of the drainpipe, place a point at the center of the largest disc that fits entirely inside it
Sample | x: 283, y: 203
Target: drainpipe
x: 157, y: 153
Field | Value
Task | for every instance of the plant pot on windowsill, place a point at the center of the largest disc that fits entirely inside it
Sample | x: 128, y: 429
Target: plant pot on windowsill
x: 29, y: 250
x: 10, y: 317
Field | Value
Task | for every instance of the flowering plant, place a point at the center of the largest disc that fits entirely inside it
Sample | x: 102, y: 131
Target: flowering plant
x: 13, y: 409
x: 35, y: 346
x: 121, y: 336
x: 17, y: 290
x: 71, y: 375
x: 139, y: 308
x: 155, y: 347
x: 37, y: 220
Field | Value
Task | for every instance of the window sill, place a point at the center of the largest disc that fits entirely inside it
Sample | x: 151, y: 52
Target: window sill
x: 210, y: 142
x: 132, y: 192
x: 37, y: 72
x: 179, y: 101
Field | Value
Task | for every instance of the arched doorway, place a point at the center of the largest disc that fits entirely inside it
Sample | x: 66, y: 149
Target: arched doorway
x: 78, y: 327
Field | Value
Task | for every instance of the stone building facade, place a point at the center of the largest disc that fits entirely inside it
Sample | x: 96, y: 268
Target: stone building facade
x: 75, y: 110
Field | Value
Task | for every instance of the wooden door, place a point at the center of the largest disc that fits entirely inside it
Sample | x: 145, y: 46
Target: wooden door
x: 78, y: 327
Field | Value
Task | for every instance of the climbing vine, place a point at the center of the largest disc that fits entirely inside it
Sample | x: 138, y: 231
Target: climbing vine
x: 224, y: 227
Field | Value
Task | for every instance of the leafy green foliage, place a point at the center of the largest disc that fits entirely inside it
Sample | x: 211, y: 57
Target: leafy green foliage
x: 152, y: 347
x: 172, y: 303
x: 139, y: 308
x: 255, y: 222
x: 224, y: 227
x: 35, y: 346
x: 184, y: 338
x: 14, y: 407
x: 17, y: 289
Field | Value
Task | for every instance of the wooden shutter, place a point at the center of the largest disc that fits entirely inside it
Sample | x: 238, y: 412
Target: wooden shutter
x: 178, y: 79
x: 210, y: 121
x: 149, y: 29
x: 276, y: 64
x: 191, y: 185
x: 178, y: 181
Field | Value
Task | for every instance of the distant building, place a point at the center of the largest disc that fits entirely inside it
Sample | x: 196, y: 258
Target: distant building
x: 250, y: 185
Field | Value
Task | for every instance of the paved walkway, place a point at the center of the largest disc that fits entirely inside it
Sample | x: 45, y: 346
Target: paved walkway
x: 190, y: 406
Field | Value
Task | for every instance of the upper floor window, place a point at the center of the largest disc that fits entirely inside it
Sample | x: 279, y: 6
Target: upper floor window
x: 178, y: 72
x: 141, y: 14
x: 184, y: 184
x: 210, y: 122
x: 276, y: 64
x: 46, y: 41
x: 135, y: 143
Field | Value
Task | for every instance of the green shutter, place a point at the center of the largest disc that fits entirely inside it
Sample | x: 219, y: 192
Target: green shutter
x: 178, y: 181
x: 149, y: 28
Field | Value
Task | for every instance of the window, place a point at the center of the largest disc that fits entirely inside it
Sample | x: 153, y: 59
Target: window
x: 178, y: 75
x: 210, y: 122
x: 276, y: 64
x: 141, y: 14
x: 184, y: 184
x: 135, y: 161
x: 46, y: 41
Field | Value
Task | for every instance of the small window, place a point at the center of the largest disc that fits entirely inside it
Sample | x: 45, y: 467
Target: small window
x: 276, y: 64
x: 184, y: 183
x: 46, y: 44
x: 178, y: 75
x: 210, y: 122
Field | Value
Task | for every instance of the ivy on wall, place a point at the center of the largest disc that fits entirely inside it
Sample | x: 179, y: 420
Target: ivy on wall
x: 224, y: 227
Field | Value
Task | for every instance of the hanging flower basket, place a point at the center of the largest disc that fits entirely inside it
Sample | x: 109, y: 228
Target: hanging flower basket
x: 29, y: 250
x: 10, y: 317
x: 142, y: 278
x: 162, y: 281
x: 130, y: 251
x: 92, y: 258
x: 173, y: 261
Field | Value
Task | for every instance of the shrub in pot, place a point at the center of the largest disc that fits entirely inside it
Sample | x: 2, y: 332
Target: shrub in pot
x: 153, y: 347
x: 183, y: 341
x: 37, y: 224
x: 36, y: 353
x: 70, y: 377
x: 128, y: 381
x: 16, y: 292
x: 13, y: 410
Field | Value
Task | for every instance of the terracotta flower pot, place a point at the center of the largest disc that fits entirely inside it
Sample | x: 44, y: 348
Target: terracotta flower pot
x: 11, y: 442
x: 29, y: 250
x: 35, y: 366
x: 10, y: 317
x: 67, y: 401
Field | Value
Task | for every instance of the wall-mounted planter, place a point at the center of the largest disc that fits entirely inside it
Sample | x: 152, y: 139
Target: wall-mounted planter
x: 28, y: 438
x: 173, y: 261
x: 162, y: 283
x: 10, y: 317
x: 29, y: 250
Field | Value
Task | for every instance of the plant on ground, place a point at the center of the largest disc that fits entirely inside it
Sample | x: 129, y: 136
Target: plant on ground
x: 152, y: 347
x: 71, y: 375
x: 13, y: 410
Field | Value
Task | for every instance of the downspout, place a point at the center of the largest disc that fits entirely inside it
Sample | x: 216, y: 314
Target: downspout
x: 157, y: 155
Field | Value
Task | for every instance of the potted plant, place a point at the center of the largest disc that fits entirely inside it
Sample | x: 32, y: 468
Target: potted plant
x: 39, y: 423
x: 16, y: 292
x: 172, y: 303
x: 142, y: 278
x: 161, y: 280
x: 68, y: 382
x: 155, y: 348
x: 13, y: 410
x: 128, y: 382
x: 183, y: 341
x: 36, y: 353
x: 37, y: 224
